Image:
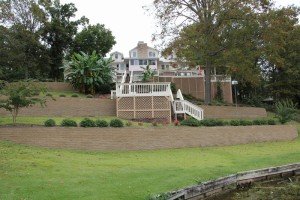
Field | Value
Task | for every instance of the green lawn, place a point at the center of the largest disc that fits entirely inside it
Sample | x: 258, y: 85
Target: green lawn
x: 37, y: 173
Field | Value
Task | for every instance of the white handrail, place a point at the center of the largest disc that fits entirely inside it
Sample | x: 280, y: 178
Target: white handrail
x: 179, y: 95
x: 142, y: 89
x: 131, y: 76
x: 123, y: 80
x: 183, y: 106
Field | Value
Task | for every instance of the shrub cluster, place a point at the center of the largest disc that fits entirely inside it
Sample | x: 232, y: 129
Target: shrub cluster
x: 86, y: 122
x: 218, y: 122
x: 75, y: 95
x: 101, y: 123
x: 49, y: 123
x: 69, y: 123
x: 116, y: 123
x: 190, y: 122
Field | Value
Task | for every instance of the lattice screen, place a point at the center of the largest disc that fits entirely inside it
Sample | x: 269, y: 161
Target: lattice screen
x: 161, y: 103
x: 143, y: 103
x: 126, y: 114
x: 162, y: 114
x: 143, y: 107
x: 125, y: 103
x: 143, y: 114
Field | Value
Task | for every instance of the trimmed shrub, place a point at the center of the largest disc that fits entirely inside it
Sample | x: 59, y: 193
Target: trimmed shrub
x: 234, y: 122
x: 89, y: 96
x: 190, y: 122
x: 271, y: 122
x: 256, y: 122
x: 62, y: 95
x: 86, y: 122
x: 49, y: 123
x: 49, y: 95
x: 245, y: 122
x: 263, y: 122
x: 116, y: 123
x: 75, y: 95
x: 212, y: 122
x: 69, y: 123
x: 249, y: 123
x: 101, y: 123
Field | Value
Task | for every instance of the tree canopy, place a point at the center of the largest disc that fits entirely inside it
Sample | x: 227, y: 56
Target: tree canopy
x: 36, y: 36
x: 94, y: 38
x: 252, y: 39
x: 19, y: 95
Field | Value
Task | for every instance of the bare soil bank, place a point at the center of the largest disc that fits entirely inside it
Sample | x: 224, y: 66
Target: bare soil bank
x: 144, y: 138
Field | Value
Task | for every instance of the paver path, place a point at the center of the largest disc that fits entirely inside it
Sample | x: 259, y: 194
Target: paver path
x: 144, y: 138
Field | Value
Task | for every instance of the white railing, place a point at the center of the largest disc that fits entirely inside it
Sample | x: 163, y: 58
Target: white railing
x: 179, y: 95
x: 112, y: 94
x: 142, y: 89
x: 131, y: 76
x: 221, y: 78
x: 181, y: 73
x: 183, y: 106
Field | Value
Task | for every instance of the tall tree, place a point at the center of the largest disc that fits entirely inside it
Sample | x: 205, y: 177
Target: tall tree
x: 280, y: 55
x: 21, y: 22
x: 94, y: 38
x: 59, y: 34
x: 209, y: 19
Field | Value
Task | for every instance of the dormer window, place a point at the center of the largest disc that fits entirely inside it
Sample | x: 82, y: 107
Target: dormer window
x: 134, y: 54
x: 116, y: 56
x: 151, y: 54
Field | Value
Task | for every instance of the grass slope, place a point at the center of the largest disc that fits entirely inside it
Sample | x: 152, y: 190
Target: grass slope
x: 37, y: 173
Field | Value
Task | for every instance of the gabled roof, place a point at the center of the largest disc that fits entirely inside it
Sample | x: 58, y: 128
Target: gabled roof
x: 116, y: 52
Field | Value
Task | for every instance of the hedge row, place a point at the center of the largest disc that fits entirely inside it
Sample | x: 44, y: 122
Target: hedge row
x: 218, y: 122
x: 86, y: 122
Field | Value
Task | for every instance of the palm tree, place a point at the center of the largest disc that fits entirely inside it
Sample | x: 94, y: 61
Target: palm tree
x: 148, y: 73
x: 85, y: 72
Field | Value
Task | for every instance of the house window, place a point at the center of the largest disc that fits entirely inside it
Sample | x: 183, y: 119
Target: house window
x: 163, y: 67
x: 116, y: 56
x: 143, y: 62
x: 136, y: 62
x: 122, y: 67
x: 167, y: 67
x: 151, y: 54
x: 134, y: 54
x: 151, y: 62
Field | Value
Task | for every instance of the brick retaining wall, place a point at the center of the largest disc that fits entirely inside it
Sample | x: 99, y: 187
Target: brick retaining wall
x: 70, y: 107
x: 233, y: 112
x: 144, y: 138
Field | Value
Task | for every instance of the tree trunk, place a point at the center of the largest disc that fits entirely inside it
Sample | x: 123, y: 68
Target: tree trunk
x: 207, y: 85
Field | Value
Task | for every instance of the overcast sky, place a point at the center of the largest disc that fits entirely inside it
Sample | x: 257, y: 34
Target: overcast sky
x: 127, y: 19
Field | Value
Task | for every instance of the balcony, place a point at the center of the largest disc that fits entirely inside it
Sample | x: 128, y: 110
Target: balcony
x: 143, y: 89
